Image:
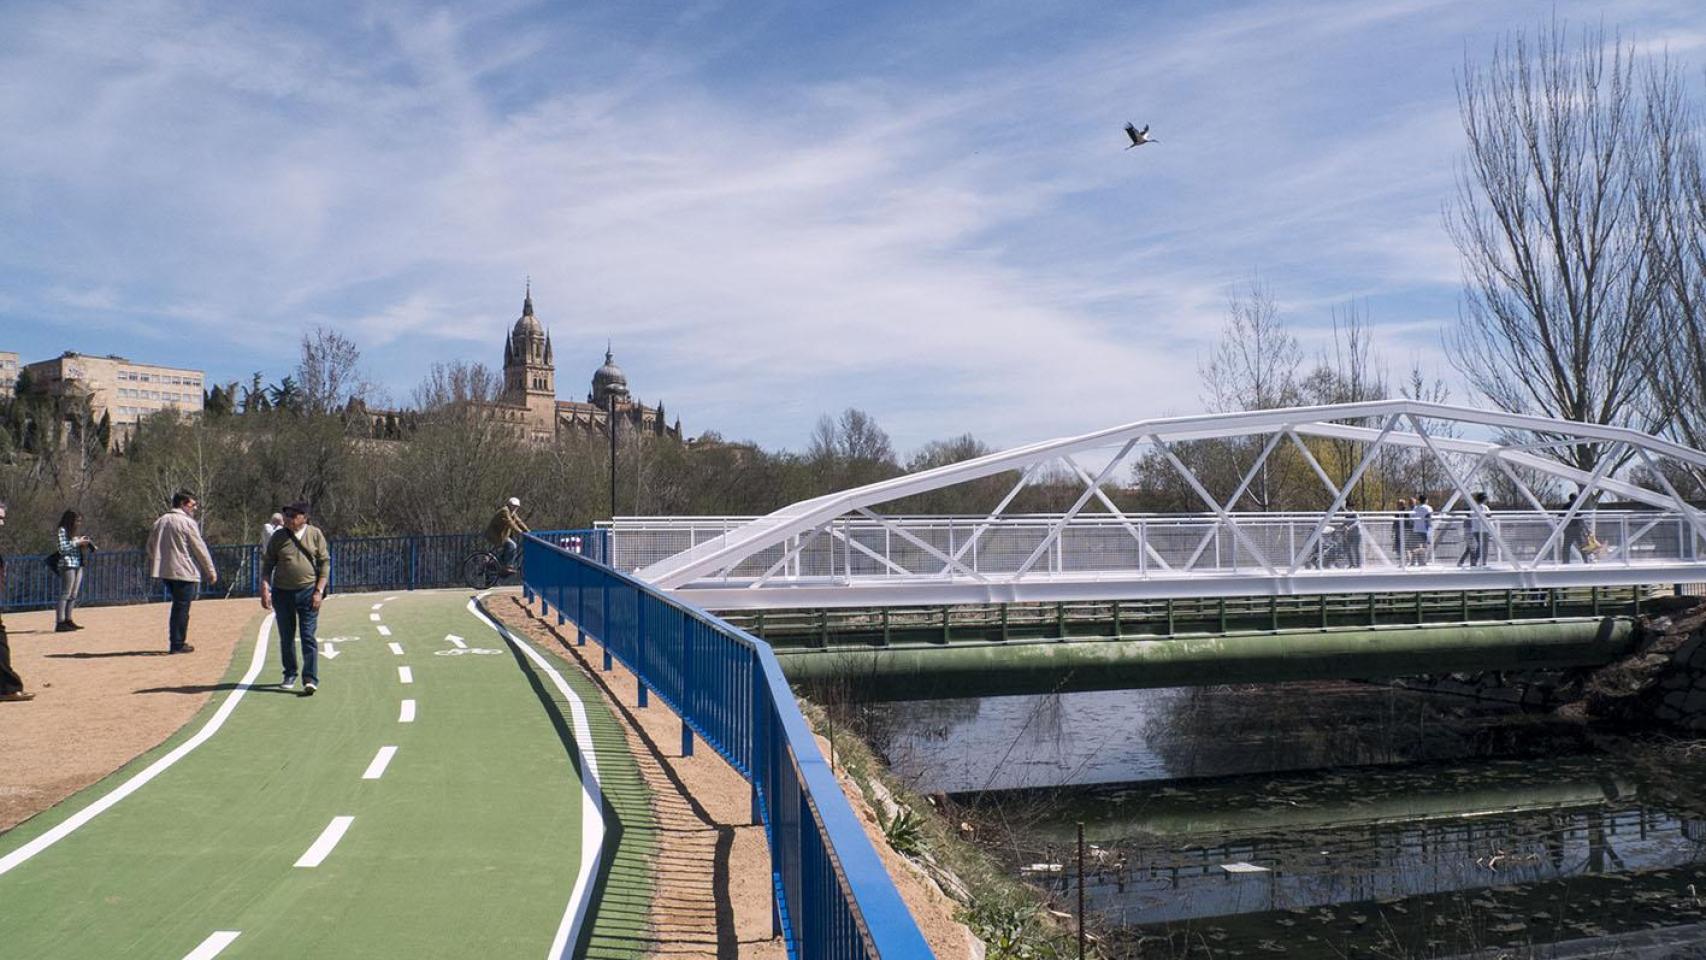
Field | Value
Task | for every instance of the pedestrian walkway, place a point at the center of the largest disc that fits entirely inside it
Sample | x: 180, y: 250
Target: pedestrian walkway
x: 446, y: 793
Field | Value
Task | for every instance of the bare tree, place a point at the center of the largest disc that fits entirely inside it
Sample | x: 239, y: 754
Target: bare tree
x: 1255, y: 363
x: 1561, y: 285
x: 456, y: 383
x: 328, y: 373
x: 1675, y: 193
x: 1254, y: 366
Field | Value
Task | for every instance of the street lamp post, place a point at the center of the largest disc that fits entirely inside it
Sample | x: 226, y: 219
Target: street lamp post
x: 611, y: 396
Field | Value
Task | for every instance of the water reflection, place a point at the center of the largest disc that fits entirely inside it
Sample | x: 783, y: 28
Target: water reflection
x: 1320, y: 820
x: 997, y: 743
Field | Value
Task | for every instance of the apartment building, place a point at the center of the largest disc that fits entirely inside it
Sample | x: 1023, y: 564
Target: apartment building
x: 118, y: 386
x: 8, y: 373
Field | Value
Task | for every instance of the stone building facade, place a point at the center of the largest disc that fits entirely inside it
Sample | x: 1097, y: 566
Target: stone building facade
x: 528, y: 404
x: 115, y: 385
x: 529, y: 399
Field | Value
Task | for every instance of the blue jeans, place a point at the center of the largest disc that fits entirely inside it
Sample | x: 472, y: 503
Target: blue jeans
x: 296, y: 614
x: 508, y: 552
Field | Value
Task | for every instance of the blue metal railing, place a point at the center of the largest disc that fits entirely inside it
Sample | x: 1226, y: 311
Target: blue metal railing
x: 358, y: 563
x: 834, y: 899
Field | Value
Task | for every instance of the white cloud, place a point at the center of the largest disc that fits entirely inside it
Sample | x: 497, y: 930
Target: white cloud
x: 971, y: 252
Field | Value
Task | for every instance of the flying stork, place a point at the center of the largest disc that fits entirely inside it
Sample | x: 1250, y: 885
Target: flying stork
x: 1138, y: 137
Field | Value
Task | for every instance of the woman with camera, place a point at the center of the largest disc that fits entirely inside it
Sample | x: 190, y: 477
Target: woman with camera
x: 72, y: 547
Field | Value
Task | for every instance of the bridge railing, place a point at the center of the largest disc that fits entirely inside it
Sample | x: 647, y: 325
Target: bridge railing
x: 358, y: 563
x: 834, y: 899
x: 1159, y: 545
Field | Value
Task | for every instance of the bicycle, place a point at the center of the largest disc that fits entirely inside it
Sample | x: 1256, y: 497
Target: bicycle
x: 482, y: 570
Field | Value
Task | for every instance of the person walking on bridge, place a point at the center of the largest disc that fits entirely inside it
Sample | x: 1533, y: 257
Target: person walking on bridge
x: 295, y: 565
x: 502, y: 532
x: 1400, y: 519
x: 174, y: 553
x: 11, y: 685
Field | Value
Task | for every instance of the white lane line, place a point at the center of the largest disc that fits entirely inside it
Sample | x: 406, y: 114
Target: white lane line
x: 592, y: 807
x: 329, y: 838
x: 381, y: 760
x: 405, y: 675
x: 216, y: 941
x: 384, y: 631
x: 396, y: 648
x: 407, y: 715
x: 453, y: 638
x: 65, y: 828
x: 374, y: 617
x: 389, y: 599
x: 378, y: 605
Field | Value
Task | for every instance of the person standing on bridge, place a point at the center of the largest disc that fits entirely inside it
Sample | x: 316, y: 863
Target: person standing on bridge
x: 1400, y: 519
x: 11, y: 685
x: 1480, y: 525
x: 295, y: 565
x: 501, y: 533
x: 1422, y: 528
x: 174, y: 553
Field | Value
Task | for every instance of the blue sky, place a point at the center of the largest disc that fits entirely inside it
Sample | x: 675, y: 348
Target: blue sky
x: 773, y: 210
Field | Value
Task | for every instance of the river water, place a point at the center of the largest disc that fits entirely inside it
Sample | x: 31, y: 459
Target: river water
x: 1332, y: 820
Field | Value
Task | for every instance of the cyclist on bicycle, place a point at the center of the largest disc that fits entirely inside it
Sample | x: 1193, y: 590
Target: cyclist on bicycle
x: 501, y: 533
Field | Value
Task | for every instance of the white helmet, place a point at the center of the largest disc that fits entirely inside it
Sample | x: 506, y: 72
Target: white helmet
x: 514, y: 501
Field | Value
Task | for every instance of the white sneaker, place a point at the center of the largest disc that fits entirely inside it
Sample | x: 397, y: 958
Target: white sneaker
x: 288, y: 682
x: 309, y: 688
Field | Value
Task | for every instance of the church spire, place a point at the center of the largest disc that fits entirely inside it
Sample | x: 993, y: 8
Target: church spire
x: 527, y: 301
x: 547, y: 348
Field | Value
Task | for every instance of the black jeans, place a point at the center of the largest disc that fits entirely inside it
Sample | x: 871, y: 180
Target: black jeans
x: 178, y: 625
x: 10, y: 682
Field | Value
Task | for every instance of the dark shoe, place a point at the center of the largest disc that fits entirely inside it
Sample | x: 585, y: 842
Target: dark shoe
x: 309, y: 688
x: 18, y: 697
x: 63, y: 626
x: 74, y: 626
x: 186, y: 648
x: 289, y: 681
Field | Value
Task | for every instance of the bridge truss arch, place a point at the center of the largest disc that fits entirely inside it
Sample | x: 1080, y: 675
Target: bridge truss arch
x: 1624, y: 521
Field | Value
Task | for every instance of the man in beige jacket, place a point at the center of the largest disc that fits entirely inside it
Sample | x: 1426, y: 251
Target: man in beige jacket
x: 177, y: 556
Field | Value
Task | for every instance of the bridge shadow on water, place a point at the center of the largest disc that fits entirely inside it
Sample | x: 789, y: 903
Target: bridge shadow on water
x: 662, y: 844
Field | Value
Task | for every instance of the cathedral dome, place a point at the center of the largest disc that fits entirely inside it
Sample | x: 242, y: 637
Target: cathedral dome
x: 609, y: 379
x: 528, y: 325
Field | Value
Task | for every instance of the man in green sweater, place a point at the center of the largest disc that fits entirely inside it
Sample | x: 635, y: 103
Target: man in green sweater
x: 295, y: 564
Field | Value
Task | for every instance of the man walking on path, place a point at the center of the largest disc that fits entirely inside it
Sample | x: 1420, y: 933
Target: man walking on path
x: 295, y: 565
x: 1422, y: 525
x: 11, y: 685
x: 175, y: 552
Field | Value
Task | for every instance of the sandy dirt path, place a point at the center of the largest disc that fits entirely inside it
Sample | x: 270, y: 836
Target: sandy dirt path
x: 104, y: 694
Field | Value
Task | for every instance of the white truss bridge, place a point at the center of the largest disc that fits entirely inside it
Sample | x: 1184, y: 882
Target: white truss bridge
x: 839, y: 550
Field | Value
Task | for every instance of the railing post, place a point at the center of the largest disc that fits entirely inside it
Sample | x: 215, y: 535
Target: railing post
x: 580, y: 616
x: 686, y: 687
x: 640, y: 648
x: 414, y: 562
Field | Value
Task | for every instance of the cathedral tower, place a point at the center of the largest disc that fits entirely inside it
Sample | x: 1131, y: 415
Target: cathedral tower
x: 530, y: 377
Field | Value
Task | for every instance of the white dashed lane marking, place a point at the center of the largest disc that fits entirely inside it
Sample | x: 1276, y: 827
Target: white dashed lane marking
x: 374, y: 617
x: 215, y: 942
x: 378, y: 605
x: 396, y: 648
x: 405, y: 675
x: 329, y: 838
x: 384, y: 631
x: 407, y: 715
x: 381, y: 760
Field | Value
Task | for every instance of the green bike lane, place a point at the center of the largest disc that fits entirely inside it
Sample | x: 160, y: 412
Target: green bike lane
x: 469, y: 839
